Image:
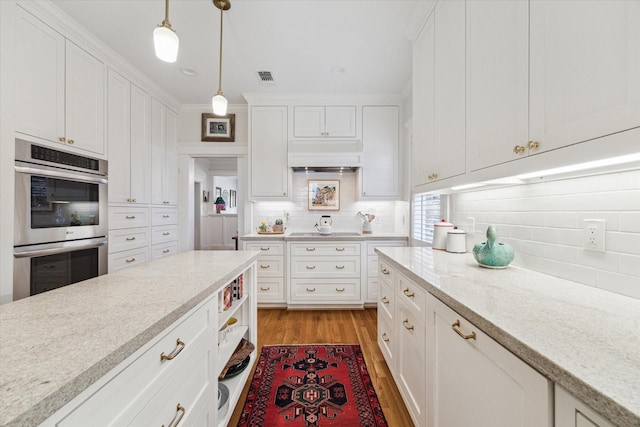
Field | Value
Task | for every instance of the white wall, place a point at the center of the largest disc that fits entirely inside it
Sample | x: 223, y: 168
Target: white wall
x: 544, y: 224
x: 389, y: 215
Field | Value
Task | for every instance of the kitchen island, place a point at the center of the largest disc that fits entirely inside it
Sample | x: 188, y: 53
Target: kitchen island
x: 60, y: 347
x: 583, y: 339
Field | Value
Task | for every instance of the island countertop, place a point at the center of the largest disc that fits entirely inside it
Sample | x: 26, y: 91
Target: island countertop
x: 56, y: 344
x: 582, y: 338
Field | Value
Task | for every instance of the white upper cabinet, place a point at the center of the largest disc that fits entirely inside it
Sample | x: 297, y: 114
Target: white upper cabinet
x: 585, y: 70
x: 324, y: 121
x: 439, y: 104
x: 380, y: 139
x: 129, y: 139
x: 59, y: 88
x: 164, y: 165
x: 497, y: 62
x: 268, y: 153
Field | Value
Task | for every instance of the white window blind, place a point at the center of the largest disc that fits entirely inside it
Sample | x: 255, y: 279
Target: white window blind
x: 426, y: 212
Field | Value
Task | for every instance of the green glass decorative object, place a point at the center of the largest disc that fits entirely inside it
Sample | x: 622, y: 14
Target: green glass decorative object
x: 493, y: 254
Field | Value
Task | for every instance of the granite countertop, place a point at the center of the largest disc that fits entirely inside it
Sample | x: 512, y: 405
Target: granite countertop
x: 56, y: 344
x: 585, y: 339
x: 337, y: 235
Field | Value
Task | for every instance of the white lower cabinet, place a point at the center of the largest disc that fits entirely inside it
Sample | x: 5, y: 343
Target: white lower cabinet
x: 411, y: 350
x: 326, y: 273
x: 571, y: 412
x: 164, y: 231
x: 474, y: 381
x: 449, y: 373
x: 271, y: 268
x: 371, y: 295
x: 172, y: 380
x: 129, y: 236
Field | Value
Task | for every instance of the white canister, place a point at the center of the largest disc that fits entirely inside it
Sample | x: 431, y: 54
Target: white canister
x: 456, y: 241
x: 440, y: 234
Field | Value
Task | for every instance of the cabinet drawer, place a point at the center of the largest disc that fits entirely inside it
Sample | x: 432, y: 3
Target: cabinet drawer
x: 386, y: 341
x: 124, y: 259
x: 132, y: 238
x: 386, y: 273
x: 127, y: 217
x: 266, y: 248
x: 164, y: 216
x: 163, y: 234
x: 271, y: 289
x: 333, y: 267
x: 332, y: 291
x: 371, y: 246
x: 386, y: 302
x: 412, y: 296
x: 270, y: 266
x: 144, y: 377
x: 187, y: 387
x: 315, y: 249
x: 164, y: 249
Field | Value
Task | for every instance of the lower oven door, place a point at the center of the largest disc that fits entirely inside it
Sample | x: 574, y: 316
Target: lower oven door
x: 41, y: 268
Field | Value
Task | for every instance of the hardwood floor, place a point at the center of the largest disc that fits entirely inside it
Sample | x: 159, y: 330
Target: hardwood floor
x: 333, y: 326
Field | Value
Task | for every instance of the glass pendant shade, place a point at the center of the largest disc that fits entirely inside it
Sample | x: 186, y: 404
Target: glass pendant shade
x: 219, y: 104
x: 166, y: 43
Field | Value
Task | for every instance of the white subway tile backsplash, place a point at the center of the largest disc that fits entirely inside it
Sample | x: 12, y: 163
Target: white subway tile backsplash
x: 544, y: 223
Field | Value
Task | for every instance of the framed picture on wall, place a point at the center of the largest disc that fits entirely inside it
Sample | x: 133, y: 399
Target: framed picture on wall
x: 218, y: 128
x: 324, y: 195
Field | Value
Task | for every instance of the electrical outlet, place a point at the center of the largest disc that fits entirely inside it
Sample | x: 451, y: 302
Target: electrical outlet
x: 594, y: 235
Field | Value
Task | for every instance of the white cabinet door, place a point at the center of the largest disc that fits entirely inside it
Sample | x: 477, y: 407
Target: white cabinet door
x: 324, y: 121
x: 381, y: 157
x: 585, y: 70
x: 340, y: 121
x: 84, y: 102
x: 268, y: 153
x: 39, y: 78
x: 439, y: 100
x: 164, y: 169
x: 497, y: 62
x: 571, y: 412
x: 423, y: 152
x: 474, y: 381
x: 140, y: 174
x: 119, y: 137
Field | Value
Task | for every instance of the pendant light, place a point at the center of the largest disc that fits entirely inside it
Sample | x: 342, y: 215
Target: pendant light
x: 165, y: 40
x: 219, y: 102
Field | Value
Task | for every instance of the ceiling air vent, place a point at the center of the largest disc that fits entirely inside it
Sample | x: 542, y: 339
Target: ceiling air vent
x: 265, y: 77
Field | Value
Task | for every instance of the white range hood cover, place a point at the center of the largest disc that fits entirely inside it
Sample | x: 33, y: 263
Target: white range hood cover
x: 325, y: 155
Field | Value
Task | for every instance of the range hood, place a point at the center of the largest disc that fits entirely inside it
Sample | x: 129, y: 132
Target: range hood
x: 325, y: 155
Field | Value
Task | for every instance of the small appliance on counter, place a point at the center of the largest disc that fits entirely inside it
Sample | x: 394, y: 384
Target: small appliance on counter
x: 440, y: 230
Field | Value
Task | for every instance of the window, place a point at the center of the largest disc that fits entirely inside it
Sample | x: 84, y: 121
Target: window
x: 425, y: 213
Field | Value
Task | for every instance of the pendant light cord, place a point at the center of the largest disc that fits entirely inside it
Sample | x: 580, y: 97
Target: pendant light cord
x: 220, y: 68
x: 166, y: 22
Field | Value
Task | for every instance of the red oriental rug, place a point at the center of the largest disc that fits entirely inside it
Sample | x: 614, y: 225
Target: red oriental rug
x: 311, y: 386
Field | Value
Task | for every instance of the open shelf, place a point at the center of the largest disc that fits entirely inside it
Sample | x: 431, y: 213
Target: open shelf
x: 227, y: 314
x: 236, y: 385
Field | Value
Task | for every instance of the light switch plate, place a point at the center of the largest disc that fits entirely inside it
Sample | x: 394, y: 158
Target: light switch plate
x: 594, y: 230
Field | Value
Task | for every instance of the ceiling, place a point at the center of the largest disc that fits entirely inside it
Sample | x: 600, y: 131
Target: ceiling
x: 301, y: 42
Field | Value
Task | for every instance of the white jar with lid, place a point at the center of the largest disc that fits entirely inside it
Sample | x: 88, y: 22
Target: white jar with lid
x: 440, y: 230
x: 456, y: 241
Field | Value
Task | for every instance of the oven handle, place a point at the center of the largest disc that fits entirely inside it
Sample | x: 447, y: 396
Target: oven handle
x: 59, y: 248
x: 60, y: 174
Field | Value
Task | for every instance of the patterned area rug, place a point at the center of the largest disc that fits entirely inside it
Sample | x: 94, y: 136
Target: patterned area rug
x: 311, y: 386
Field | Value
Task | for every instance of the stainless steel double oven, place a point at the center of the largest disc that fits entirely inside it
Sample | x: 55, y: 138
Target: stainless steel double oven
x: 60, y: 229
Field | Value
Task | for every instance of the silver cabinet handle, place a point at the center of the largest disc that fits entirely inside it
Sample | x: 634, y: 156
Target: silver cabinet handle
x: 265, y: 266
x: 265, y: 289
x: 311, y: 290
x: 264, y: 249
x: 340, y: 249
x: 131, y: 238
x: 385, y: 271
x: 311, y: 249
x: 385, y: 300
x: 166, y: 251
x: 311, y: 267
x: 166, y: 233
x: 130, y: 259
x: 166, y: 216
x: 130, y: 217
x: 339, y: 289
x: 340, y: 267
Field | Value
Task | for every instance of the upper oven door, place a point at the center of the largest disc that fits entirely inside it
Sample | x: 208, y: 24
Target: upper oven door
x: 54, y: 205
